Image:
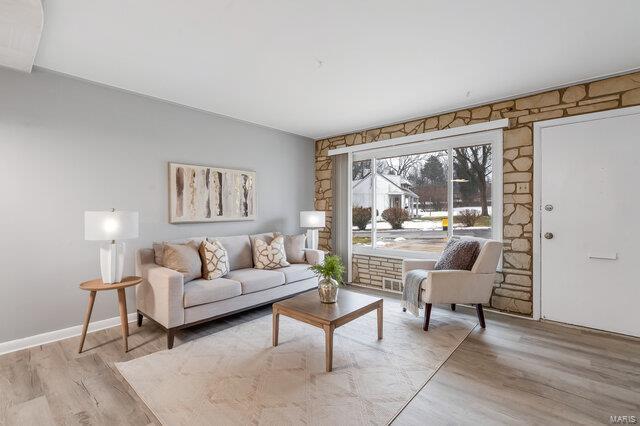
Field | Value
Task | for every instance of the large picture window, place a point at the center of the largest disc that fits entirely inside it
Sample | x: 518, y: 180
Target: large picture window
x: 408, y: 200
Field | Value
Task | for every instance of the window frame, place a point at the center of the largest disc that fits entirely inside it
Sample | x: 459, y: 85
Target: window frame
x: 493, y: 137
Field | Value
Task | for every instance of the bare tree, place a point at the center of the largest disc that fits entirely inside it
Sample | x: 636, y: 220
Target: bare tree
x: 361, y: 169
x: 478, y: 159
x: 402, y: 166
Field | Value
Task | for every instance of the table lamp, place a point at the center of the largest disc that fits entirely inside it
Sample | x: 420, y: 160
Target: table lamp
x: 111, y: 226
x: 312, y: 220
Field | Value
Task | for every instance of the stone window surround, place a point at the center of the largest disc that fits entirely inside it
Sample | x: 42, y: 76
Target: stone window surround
x: 513, y: 289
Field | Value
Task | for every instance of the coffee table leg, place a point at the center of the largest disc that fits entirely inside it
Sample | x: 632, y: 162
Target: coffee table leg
x: 276, y: 326
x: 328, y: 347
x: 380, y: 321
x: 124, y: 321
x: 87, y: 318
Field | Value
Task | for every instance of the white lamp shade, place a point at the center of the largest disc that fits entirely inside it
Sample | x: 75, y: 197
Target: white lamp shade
x: 312, y: 219
x: 110, y: 225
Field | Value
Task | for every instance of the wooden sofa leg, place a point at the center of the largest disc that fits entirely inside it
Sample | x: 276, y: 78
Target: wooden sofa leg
x: 427, y: 316
x: 170, y: 335
x: 480, y: 315
x: 453, y: 306
x: 139, y: 319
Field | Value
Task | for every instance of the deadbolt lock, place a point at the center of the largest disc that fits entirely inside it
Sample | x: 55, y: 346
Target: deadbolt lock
x: 548, y: 207
x: 548, y: 235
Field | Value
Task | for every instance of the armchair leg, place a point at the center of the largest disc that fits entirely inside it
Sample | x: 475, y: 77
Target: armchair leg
x: 453, y: 306
x: 427, y: 316
x: 139, y: 319
x: 480, y: 315
x: 170, y: 335
x: 404, y: 309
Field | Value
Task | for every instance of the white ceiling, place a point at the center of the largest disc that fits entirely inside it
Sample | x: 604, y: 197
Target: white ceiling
x: 321, y: 68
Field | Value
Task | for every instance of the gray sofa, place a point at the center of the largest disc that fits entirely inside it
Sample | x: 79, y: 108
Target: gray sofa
x: 164, y: 298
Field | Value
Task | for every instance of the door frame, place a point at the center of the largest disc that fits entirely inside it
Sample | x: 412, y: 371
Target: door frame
x: 537, y: 188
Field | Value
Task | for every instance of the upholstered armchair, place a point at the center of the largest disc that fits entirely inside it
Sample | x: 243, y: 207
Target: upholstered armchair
x: 472, y: 287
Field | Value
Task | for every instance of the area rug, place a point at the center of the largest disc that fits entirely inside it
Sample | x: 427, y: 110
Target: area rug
x: 236, y: 377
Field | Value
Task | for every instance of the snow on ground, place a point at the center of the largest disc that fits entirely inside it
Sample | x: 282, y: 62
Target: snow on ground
x: 420, y: 225
x: 424, y: 213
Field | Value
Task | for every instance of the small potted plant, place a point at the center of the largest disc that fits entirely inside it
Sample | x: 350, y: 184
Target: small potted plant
x: 330, y: 272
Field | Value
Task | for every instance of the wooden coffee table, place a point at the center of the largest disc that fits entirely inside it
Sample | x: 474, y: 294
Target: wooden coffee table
x: 308, y: 308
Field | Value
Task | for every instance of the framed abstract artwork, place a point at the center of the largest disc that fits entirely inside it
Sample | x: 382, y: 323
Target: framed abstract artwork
x: 210, y: 194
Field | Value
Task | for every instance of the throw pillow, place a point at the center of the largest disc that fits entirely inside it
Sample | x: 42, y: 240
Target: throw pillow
x: 458, y: 254
x: 183, y: 258
x: 267, y: 237
x: 269, y: 256
x: 215, y: 263
x: 158, y: 249
x: 294, y: 246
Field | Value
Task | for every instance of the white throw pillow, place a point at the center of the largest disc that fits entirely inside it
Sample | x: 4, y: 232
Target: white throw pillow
x: 215, y: 262
x: 294, y: 246
x: 269, y: 256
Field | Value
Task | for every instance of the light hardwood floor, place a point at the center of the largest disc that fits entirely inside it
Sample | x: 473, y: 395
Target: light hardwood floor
x: 515, y: 371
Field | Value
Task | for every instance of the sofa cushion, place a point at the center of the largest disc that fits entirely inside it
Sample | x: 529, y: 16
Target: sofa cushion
x: 267, y: 237
x: 199, y: 292
x: 269, y: 256
x: 458, y: 255
x: 238, y: 251
x: 183, y: 258
x: 158, y: 247
x: 294, y: 246
x: 215, y: 263
x: 253, y: 280
x: 297, y: 272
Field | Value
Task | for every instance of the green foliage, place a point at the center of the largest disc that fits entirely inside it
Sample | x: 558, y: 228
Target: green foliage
x: 361, y: 240
x: 360, y: 217
x: 433, y: 171
x: 396, y: 216
x: 331, y: 267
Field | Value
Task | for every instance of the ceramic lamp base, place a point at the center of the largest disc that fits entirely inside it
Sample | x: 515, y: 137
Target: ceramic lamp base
x: 312, y: 239
x: 112, y: 262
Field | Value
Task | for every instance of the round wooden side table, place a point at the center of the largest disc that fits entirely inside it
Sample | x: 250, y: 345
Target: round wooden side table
x: 97, y: 285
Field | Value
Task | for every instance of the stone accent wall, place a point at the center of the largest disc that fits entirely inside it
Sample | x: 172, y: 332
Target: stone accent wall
x: 369, y: 271
x: 513, y: 290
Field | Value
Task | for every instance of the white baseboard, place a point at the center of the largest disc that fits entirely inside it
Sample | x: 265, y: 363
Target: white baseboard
x: 54, y: 336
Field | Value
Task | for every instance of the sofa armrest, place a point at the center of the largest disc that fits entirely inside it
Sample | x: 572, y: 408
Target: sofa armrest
x: 411, y: 264
x: 448, y: 286
x: 314, y: 257
x: 161, y: 294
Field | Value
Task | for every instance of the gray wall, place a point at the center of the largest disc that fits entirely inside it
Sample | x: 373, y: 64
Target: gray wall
x: 67, y: 146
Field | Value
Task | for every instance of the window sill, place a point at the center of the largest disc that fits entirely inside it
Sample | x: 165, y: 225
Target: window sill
x: 395, y: 254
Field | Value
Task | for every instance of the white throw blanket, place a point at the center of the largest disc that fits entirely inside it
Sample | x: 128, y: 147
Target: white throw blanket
x: 411, y: 291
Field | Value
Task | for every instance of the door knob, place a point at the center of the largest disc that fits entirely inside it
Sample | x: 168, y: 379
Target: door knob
x: 548, y: 235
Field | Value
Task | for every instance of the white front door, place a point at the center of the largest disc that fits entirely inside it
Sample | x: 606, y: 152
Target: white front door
x: 590, y: 221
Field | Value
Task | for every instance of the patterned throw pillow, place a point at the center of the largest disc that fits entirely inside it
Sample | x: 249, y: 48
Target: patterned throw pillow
x: 215, y: 262
x: 459, y: 255
x: 269, y: 256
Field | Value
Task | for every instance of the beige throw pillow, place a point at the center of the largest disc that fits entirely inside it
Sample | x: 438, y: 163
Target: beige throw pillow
x: 183, y: 258
x: 158, y: 250
x: 294, y: 248
x: 269, y: 256
x: 215, y: 262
